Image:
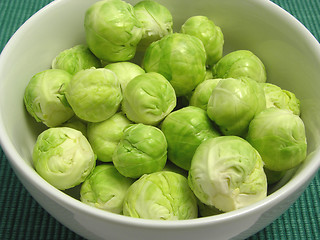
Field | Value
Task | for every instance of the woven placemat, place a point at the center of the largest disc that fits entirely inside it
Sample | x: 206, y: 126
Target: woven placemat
x: 21, y: 217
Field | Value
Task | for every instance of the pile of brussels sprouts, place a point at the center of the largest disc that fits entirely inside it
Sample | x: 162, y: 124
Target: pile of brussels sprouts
x: 186, y: 133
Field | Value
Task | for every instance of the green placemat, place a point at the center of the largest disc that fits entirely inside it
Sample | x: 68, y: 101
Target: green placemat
x: 21, y: 217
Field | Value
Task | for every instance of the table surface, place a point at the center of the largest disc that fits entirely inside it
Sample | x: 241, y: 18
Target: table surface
x: 21, y: 217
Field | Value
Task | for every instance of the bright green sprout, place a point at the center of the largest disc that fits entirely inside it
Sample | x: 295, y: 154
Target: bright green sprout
x: 156, y: 20
x: 210, y: 35
x: 45, y: 99
x: 240, y: 63
x: 75, y: 59
x: 141, y: 150
x: 94, y: 94
x: 180, y: 58
x: 185, y: 129
x: 112, y: 30
x: 105, y: 188
x: 148, y: 99
x: 161, y: 195
x: 280, y: 138
x: 104, y: 136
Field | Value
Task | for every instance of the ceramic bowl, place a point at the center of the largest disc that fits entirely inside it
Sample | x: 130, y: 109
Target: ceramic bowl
x: 292, y: 59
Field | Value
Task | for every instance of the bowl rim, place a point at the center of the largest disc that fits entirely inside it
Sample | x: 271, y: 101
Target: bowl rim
x: 19, y: 165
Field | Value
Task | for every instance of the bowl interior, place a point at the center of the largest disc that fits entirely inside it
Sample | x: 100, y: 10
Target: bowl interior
x: 290, y: 53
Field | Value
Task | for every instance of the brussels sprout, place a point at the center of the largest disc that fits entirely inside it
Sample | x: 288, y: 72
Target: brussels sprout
x: 185, y: 129
x: 156, y: 20
x: 161, y: 196
x: 112, y: 30
x: 142, y: 149
x: 283, y: 99
x: 233, y: 104
x: 210, y: 35
x: 125, y: 71
x: 148, y: 98
x: 200, y: 96
x: 94, y: 94
x: 104, y: 136
x: 75, y: 59
x: 44, y: 97
x: 280, y: 138
x: 77, y: 124
x: 240, y: 63
x: 105, y: 188
x: 180, y: 58
x: 63, y: 157
x: 227, y: 173
x: 274, y: 176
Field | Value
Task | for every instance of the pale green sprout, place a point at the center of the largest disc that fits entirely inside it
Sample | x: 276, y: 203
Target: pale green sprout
x: 105, y: 189
x: 63, y: 157
x: 112, y: 30
x: 161, y: 195
x: 94, y: 94
x: 210, y: 35
x: 104, y: 136
x: 279, y: 98
x: 141, y: 150
x: 240, y: 63
x: 148, y: 99
x: 185, y: 129
x: 156, y: 20
x: 227, y: 173
x: 180, y: 58
x: 125, y: 71
x: 45, y: 99
x: 233, y: 104
x: 280, y: 138
x: 200, y: 96
x: 75, y: 59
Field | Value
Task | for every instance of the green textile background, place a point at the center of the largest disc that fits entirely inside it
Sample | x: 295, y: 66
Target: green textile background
x: 21, y: 217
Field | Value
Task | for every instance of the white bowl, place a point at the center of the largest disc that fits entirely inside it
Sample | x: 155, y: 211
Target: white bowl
x: 292, y: 58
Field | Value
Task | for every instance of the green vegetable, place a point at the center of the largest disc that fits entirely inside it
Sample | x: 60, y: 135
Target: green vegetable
x: 105, y: 188
x: 185, y: 129
x: 75, y: 59
x: 125, y: 71
x: 63, y: 157
x: 200, y: 96
x: 94, y: 94
x: 240, y: 63
x: 210, y: 35
x: 279, y: 136
x: 180, y: 58
x: 160, y: 196
x: 148, y: 99
x: 279, y: 98
x: 44, y: 97
x: 112, y: 30
x: 141, y: 150
x: 156, y: 20
x: 227, y: 173
x: 104, y: 136
x: 233, y: 104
